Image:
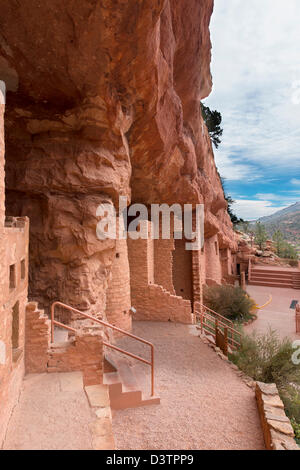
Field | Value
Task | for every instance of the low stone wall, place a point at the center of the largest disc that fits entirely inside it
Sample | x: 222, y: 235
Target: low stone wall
x: 277, y: 429
x: 37, y: 339
x: 84, y: 353
x: 154, y: 303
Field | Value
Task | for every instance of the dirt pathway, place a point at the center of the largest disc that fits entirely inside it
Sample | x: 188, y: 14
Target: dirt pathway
x: 204, y: 404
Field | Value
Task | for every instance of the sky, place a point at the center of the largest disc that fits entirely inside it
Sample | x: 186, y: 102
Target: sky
x: 256, y: 87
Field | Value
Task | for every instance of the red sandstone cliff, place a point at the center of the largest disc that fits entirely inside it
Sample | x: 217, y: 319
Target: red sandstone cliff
x: 103, y: 99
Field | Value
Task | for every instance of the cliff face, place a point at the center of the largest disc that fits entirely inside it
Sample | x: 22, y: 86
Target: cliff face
x: 103, y: 100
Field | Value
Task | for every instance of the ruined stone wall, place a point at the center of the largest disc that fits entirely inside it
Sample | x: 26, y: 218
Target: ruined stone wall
x: 37, y: 339
x: 183, y: 270
x: 212, y: 260
x: 163, y: 263
x: 84, y: 353
x: 153, y: 301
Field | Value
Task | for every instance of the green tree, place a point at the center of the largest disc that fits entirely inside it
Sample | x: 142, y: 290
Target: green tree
x: 245, y: 227
x: 260, y: 235
x: 288, y: 251
x: 213, y: 120
x: 278, y: 241
x: 283, y: 248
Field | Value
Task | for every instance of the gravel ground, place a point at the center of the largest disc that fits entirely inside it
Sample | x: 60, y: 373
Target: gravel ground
x: 204, y: 404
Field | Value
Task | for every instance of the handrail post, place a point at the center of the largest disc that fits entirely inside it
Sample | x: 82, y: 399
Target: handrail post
x: 226, y: 341
x: 152, y: 370
x: 52, y: 322
x: 217, y: 330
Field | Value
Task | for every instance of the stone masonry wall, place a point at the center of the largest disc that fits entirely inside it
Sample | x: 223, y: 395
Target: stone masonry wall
x: 37, y: 339
x: 2, y: 188
x: 13, y: 299
x: 163, y: 263
x: 152, y: 301
x: 277, y: 429
x: 212, y: 260
x: 182, y: 270
x: 118, y: 300
x: 83, y: 353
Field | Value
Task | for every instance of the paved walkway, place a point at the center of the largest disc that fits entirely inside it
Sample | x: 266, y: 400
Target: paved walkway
x: 277, y: 315
x: 204, y: 404
x: 53, y: 414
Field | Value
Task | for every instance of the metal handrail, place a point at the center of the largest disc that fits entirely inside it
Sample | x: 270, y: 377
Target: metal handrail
x: 249, y: 270
x: 218, y: 315
x: 108, y: 325
x: 220, y: 322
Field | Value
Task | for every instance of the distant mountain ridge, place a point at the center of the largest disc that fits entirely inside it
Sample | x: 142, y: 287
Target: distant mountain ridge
x: 287, y: 221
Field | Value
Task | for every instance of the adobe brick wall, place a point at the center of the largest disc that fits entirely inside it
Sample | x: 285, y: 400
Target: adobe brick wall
x: 83, y: 353
x: 118, y: 299
x: 163, y: 264
x: 37, y: 339
x: 13, y: 249
x: 152, y: 301
x: 183, y: 270
x: 2, y: 188
x: 198, y: 266
x: 212, y: 261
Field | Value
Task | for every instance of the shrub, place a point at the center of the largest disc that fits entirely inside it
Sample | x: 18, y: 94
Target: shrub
x: 231, y: 302
x: 268, y: 359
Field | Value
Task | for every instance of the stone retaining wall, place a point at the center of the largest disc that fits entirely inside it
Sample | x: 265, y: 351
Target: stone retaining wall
x: 277, y: 429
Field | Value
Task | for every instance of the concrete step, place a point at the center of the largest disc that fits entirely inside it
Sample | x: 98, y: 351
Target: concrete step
x: 124, y: 391
x: 272, y: 275
x: 272, y: 279
x: 275, y: 271
x: 109, y: 364
x: 270, y: 284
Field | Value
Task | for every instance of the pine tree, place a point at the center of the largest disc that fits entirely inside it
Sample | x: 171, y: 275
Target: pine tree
x: 213, y: 120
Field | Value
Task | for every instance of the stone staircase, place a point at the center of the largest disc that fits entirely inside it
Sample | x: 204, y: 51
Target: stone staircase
x: 124, y: 386
x: 289, y: 279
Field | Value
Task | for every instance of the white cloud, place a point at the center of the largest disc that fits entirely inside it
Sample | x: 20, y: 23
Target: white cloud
x: 295, y: 182
x: 232, y: 170
x: 249, y: 209
x: 256, y: 69
x: 285, y: 198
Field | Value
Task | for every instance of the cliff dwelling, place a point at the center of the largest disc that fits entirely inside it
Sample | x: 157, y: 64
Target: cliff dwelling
x: 101, y: 100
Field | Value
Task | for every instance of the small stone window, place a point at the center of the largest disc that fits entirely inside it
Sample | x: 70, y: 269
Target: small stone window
x: 12, y: 276
x: 23, y: 269
x: 117, y: 255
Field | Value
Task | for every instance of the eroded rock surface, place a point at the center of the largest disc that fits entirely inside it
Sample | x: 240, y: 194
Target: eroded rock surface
x: 103, y: 100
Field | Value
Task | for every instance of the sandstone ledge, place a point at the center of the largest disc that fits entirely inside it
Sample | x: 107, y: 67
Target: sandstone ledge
x: 277, y: 429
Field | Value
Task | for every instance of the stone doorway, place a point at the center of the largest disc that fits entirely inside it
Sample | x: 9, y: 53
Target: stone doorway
x: 182, y: 271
